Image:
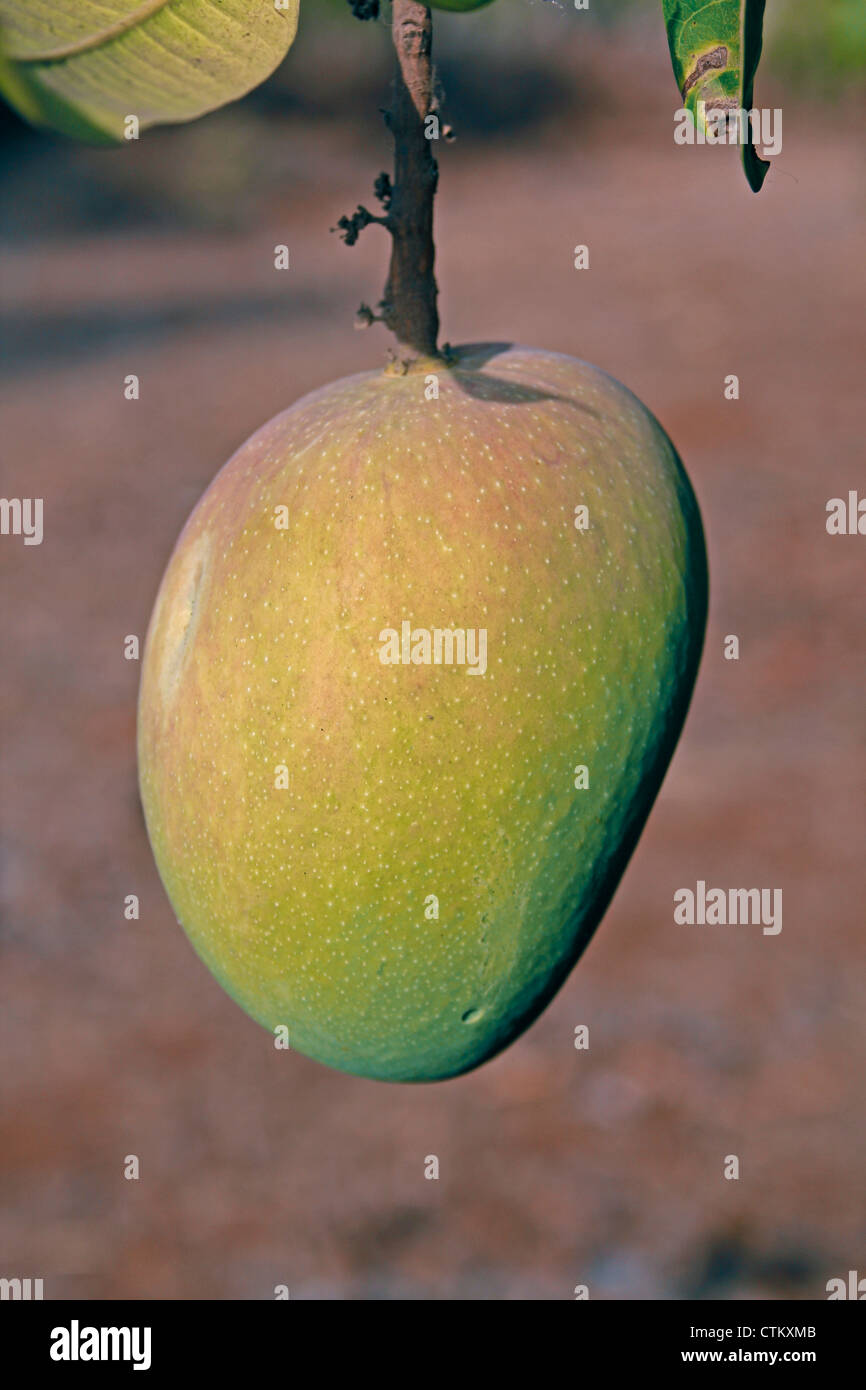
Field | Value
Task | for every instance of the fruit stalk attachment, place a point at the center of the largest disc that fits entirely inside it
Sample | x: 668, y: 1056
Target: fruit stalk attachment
x: 408, y: 306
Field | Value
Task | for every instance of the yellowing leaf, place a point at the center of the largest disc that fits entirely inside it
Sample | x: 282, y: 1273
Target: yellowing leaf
x: 83, y: 67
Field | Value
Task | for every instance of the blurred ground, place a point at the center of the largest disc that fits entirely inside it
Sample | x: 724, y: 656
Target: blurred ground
x: 557, y: 1167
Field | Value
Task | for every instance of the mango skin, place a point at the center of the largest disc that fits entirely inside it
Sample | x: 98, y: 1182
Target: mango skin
x: 308, y: 904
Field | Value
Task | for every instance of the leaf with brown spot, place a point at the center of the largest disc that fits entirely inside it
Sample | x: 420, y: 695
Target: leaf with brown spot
x: 715, y: 48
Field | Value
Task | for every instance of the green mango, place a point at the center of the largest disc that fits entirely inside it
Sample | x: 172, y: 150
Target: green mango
x: 400, y: 859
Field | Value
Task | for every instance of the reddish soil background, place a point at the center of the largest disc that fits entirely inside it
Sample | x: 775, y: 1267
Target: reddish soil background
x: 558, y: 1167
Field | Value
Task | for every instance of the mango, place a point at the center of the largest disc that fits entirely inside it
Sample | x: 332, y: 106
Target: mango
x: 413, y: 678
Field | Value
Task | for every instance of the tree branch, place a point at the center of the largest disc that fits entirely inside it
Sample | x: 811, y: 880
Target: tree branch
x: 408, y: 306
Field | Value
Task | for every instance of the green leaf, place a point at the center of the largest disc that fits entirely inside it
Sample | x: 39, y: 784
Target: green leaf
x: 716, y: 46
x: 83, y: 66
